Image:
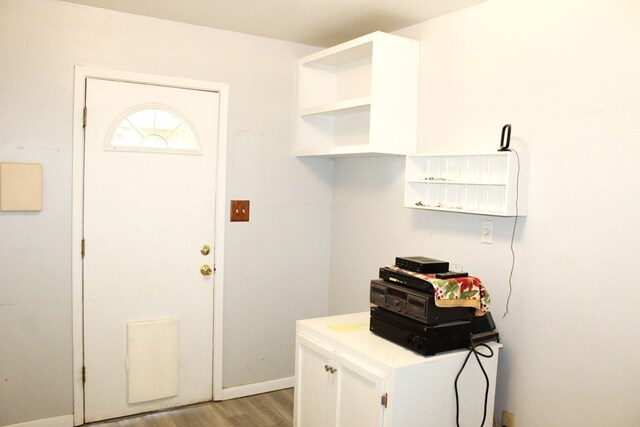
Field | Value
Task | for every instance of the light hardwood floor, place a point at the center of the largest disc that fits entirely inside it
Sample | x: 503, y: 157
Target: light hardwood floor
x: 263, y: 410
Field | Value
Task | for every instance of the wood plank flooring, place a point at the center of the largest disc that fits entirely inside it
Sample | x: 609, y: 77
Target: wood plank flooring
x: 263, y: 410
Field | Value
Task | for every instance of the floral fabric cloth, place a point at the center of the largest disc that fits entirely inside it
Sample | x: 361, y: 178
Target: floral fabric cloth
x: 459, y: 292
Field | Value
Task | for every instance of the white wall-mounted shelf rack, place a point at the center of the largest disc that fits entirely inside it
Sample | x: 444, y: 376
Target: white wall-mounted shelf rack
x: 486, y: 184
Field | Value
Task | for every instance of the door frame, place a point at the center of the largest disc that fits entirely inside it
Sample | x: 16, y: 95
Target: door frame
x: 79, y: 96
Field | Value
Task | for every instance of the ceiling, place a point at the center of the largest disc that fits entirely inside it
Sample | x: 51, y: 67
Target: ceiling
x: 314, y: 22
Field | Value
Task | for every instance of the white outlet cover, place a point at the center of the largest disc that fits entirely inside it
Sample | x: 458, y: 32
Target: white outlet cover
x: 487, y: 232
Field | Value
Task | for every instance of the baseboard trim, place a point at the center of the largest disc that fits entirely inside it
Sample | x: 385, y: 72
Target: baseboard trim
x: 257, y: 388
x: 62, y: 421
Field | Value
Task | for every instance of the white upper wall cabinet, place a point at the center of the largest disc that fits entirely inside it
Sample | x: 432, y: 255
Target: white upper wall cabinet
x: 488, y: 184
x: 359, y: 98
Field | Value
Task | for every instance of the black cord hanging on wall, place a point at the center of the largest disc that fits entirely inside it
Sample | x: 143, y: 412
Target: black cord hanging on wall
x: 505, y: 139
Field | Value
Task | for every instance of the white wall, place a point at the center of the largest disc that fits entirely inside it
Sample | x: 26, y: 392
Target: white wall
x: 276, y: 265
x: 565, y: 74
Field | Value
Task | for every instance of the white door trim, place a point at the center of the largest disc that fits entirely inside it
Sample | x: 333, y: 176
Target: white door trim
x: 81, y: 74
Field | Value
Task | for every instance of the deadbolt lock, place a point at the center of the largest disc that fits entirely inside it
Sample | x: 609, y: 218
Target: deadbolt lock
x: 205, y: 250
x: 205, y: 270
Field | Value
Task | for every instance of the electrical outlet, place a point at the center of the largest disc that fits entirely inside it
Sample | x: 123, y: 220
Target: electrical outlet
x: 508, y: 419
x: 240, y: 210
x: 456, y: 267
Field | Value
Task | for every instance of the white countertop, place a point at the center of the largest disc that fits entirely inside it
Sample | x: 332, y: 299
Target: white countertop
x: 352, y: 330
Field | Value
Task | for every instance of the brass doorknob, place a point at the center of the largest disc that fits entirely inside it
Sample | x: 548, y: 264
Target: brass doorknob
x: 205, y: 270
x: 205, y: 250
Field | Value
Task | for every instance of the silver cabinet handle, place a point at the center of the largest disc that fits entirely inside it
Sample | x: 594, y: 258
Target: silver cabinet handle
x: 330, y: 369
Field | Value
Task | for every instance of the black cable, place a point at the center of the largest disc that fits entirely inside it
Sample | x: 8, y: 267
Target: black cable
x: 477, y: 354
x: 513, y: 235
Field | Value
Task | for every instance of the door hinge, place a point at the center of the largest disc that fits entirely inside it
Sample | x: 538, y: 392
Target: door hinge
x: 384, y: 399
x: 84, y: 375
x: 83, y: 248
x: 84, y: 117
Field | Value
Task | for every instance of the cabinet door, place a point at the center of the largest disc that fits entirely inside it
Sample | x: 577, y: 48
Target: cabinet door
x: 315, y: 385
x: 359, y: 392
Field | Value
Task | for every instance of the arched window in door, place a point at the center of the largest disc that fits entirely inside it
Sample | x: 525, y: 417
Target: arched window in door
x: 153, y: 128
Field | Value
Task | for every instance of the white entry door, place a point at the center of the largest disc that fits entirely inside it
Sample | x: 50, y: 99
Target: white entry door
x: 150, y: 167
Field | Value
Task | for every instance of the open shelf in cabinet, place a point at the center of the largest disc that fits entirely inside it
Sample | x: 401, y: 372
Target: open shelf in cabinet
x: 359, y: 98
x: 488, y: 184
x: 349, y: 106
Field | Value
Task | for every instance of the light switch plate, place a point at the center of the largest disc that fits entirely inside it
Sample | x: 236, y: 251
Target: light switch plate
x: 487, y: 232
x: 20, y: 187
x: 240, y: 210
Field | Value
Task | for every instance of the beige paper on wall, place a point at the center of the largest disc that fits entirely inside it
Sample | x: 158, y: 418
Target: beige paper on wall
x: 20, y: 187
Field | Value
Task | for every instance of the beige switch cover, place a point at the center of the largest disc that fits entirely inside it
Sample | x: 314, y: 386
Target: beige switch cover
x: 20, y: 187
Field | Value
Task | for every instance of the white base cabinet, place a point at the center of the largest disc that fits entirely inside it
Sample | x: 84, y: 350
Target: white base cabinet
x: 348, y: 377
x: 345, y: 393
